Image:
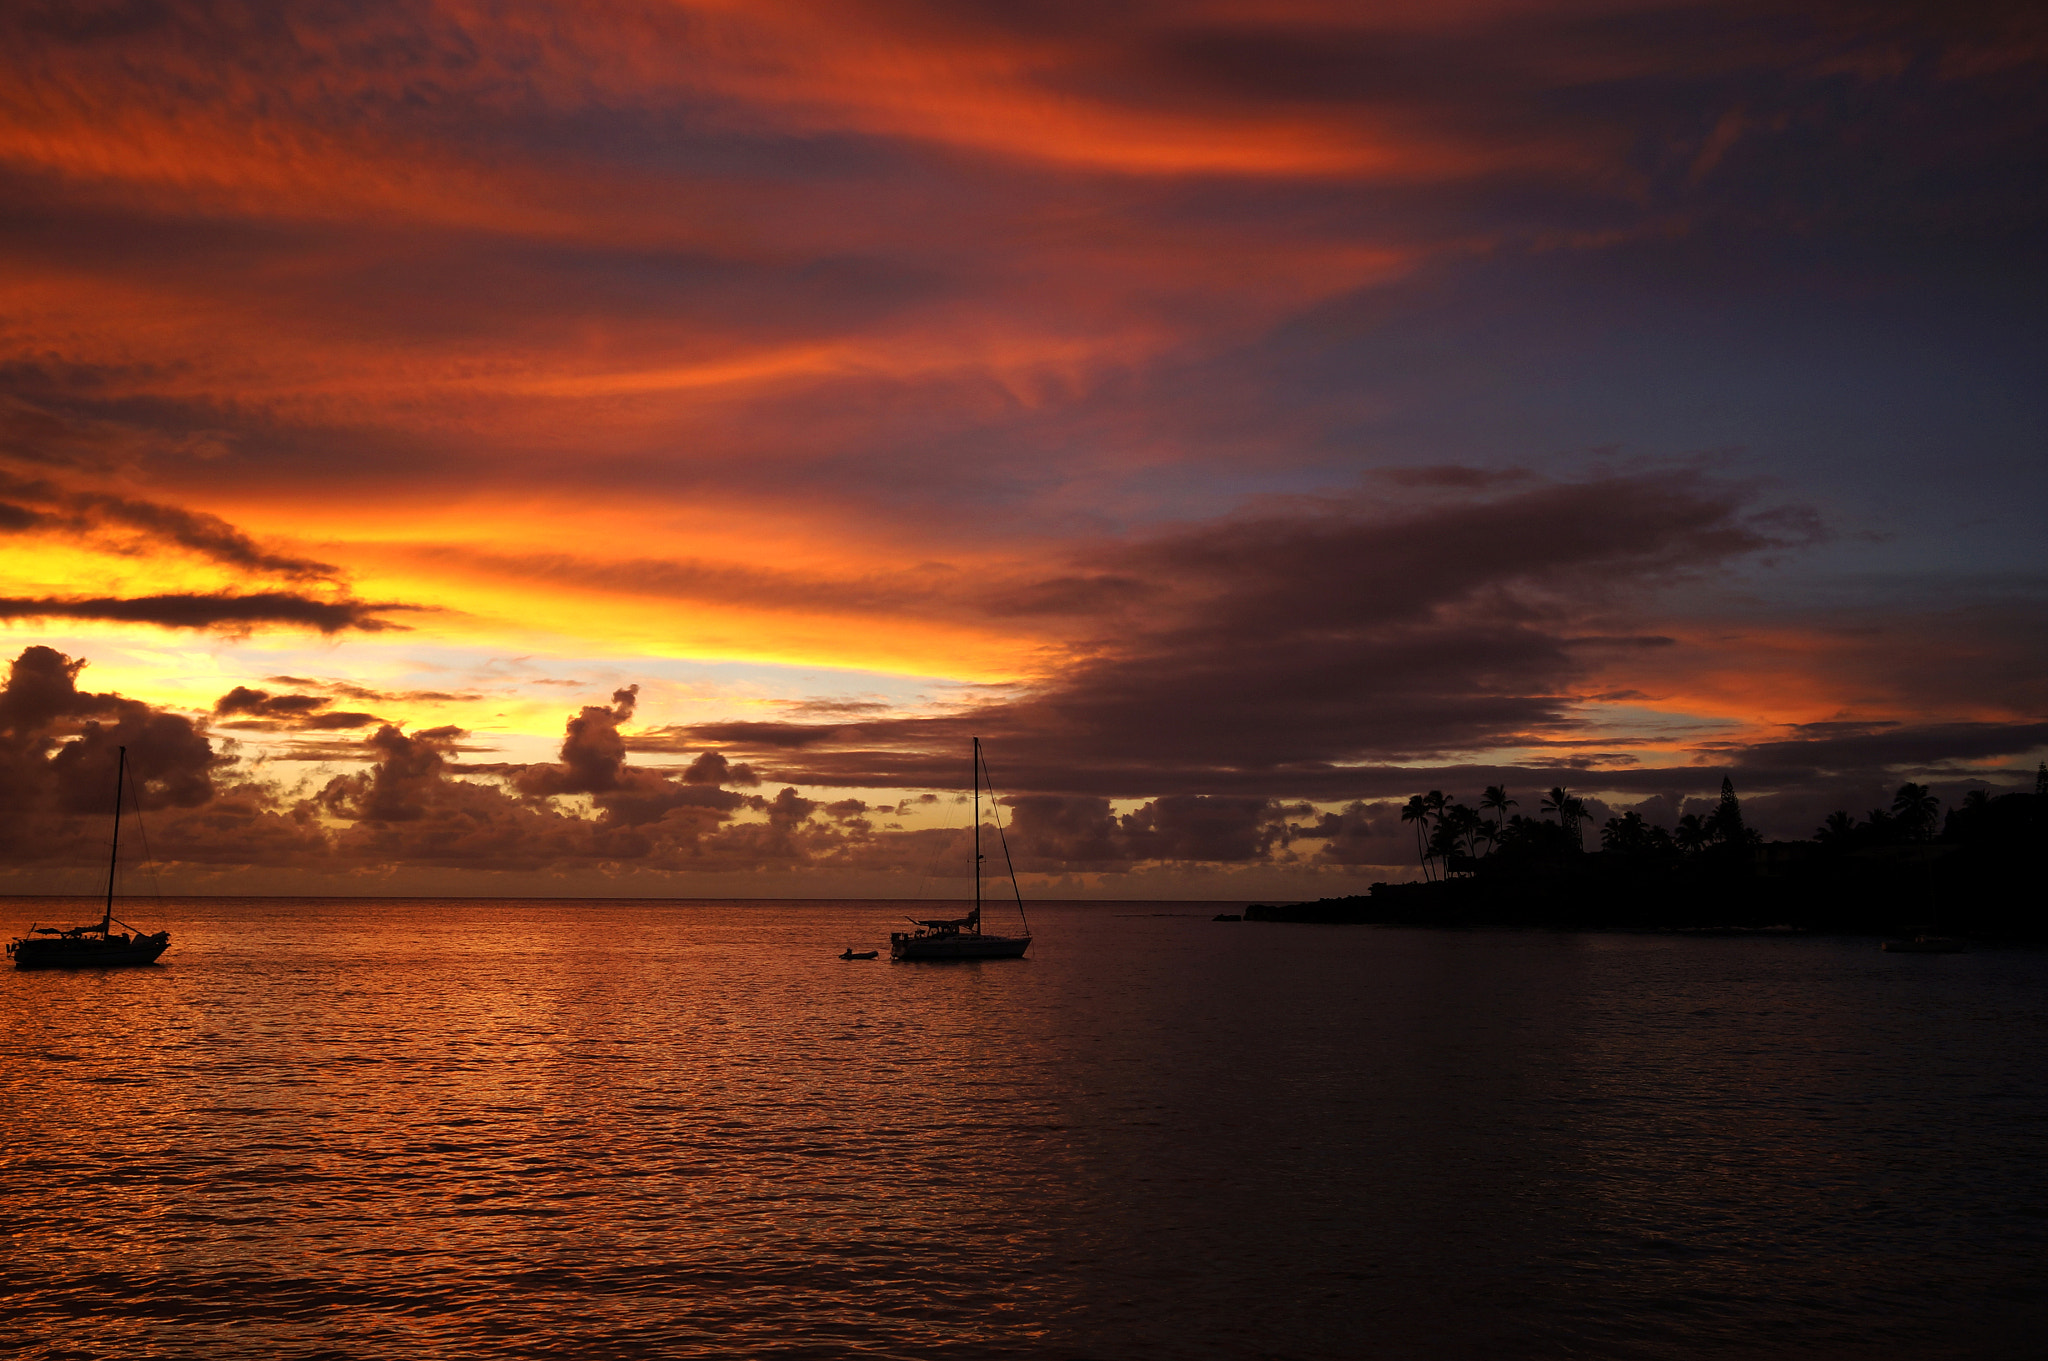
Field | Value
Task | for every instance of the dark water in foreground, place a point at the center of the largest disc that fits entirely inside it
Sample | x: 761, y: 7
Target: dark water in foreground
x: 477, y: 1129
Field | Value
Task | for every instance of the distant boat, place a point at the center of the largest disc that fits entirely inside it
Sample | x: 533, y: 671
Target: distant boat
x: 1925, y: 945
x: 962, y: 937
x: 94, y: 945
x: 851, y: 953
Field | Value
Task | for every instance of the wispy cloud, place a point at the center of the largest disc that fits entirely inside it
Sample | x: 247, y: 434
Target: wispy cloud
x: 224, y: 611
x: 37, y: 505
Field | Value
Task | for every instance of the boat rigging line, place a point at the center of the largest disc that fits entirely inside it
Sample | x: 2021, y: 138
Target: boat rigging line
x: 156, y: 887
x: 996, y: 812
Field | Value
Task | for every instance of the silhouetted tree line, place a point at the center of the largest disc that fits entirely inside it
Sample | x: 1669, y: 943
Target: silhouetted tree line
x: 1452, y: 839
x: 1971, y: 869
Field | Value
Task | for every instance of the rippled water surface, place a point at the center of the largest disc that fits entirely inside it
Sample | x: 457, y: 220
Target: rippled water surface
x: 598, y: 1129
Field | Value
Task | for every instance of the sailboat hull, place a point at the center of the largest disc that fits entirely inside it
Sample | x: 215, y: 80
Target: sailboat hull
x: 88, y: 952
x: 958, y: 947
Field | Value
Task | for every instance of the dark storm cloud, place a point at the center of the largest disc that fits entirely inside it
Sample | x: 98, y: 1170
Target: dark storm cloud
x: 338, y: 720
x: 1291, y: 647
x: 207, y: 535
x: 1332, y: 653
x: 712, y: 768
x: 1065, y: 830
x: 411, y: 803
x: 405, y: 779
x: 1868, y: 750
x: 79, y: 513
x: 263, y: 704
x: 787, y: 809
x: 412, y: 806
x: 245, y: 708
x: 593, y: 753
x: 1049, y: 832
x: 761, y: 734
x: 593, y: 762
x: 1053, y: 832
x: 219, y: 610
x: 42, y: 691
x: 1361, y: 833
x: 58, y: 749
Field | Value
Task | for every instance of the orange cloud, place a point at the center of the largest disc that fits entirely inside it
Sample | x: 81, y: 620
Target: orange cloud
x: 1900, y: 665
x: 1028, y: 345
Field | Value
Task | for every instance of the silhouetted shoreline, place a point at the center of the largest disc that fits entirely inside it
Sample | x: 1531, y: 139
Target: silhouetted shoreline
x: 1982, y: 879
x: 1893, y: 873
x: 1778, y: 887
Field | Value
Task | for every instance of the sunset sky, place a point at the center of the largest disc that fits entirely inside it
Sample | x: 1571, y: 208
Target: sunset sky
x: 632, y: 447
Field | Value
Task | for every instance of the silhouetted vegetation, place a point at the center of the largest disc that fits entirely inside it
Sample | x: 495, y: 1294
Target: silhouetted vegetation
x: 1912, y: 867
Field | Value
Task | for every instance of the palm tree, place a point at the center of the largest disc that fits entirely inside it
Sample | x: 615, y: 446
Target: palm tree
x: 1568, y: 809
x: 1631, y: 834
x: 1468, y: 824
x: 1692, y: 835
x: 1455, y: 839
x: 1496, y: 801
x: 1916, y: 808
x: 1443, y: 842
x: 1838, y: 830
x: 1436, y: 803
x: 1417, y: 812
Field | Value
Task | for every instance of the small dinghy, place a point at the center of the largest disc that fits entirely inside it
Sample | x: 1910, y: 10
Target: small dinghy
x: 851, y: 953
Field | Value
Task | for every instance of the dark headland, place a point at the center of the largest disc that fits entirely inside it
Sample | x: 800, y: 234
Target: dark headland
x: 1980, y: 875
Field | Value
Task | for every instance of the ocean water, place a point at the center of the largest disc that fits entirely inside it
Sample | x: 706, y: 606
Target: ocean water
x: 621, y: 1129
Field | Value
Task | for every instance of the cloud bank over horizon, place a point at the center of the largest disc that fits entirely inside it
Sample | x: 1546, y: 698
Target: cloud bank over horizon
x: 408, y: 803
x: 1242, y: 418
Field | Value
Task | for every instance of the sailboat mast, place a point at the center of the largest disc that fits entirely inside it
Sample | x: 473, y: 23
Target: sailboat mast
x: 114, y: 856
x: 977, y: 833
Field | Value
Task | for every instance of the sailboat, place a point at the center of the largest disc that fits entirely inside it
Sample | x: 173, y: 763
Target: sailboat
x: 962, y: 937
x: 95, y: 944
